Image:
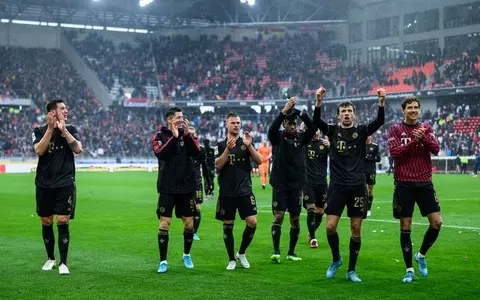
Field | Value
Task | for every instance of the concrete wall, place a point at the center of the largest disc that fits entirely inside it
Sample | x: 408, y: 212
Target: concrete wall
x: 29, y: 36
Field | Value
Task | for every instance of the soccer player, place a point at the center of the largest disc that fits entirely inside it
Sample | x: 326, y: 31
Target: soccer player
x: 55, y: 143
x: 235, y: 188
x: 200, y: 168
x: 315, y: 190
x: 288, y: 174
x: 266, y: 153
x: 174, y: 148
x: 210, y: 153
x: 411, y: 145
x: 373, y: 156
x: 347, y: 177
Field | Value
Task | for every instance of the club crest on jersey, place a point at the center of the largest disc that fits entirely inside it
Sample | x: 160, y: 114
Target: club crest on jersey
x: 243, y: 147
x: 355, y: 135
x: 322, y: 147
x: 306, y: 198
x: 405, y: 141
x: 182, y: 143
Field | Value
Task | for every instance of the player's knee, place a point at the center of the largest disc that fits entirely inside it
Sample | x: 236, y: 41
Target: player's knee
x: 251, y: 222
x: 406, y: 224
x: 295, y: 221
x: 355, y: 229
x: 62, y: 219
x: 331, y: 228
x: 319, y: 210
x: 188, y: 227
x: 437, y: 224
x: 198, y: 207
x: 164, y: 225
x: 278, y: 219
x: 47, y: 221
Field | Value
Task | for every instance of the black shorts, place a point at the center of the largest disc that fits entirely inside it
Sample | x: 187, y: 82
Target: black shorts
x: 228, y: 206
x: 370, y: 178
x: 352, y: 196
x: 55, y: 201
x: 405, y: 195
x: 184, y: 205
x: 315, y: 195
x: 287, y: 200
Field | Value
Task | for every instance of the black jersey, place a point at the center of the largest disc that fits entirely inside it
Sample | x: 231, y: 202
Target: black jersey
x: 347, y: 150
x: 175, y: 163
x: 372, y: 157
x: 234, y: 179
x: 56, y: 168
x: 316, y: 160
x: 288, y: 152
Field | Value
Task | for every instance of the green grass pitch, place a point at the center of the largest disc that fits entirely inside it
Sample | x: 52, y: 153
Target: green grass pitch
x: 114, y: 254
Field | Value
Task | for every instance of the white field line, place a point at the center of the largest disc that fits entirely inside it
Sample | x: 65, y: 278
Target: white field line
x: 397, y: 222
x: 390, y: 201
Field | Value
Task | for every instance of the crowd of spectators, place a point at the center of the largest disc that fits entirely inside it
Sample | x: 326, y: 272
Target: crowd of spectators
x: 260, y: 68
x: 206, y: 68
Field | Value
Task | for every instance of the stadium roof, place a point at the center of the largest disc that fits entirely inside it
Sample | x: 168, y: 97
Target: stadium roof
x: 175, y: 13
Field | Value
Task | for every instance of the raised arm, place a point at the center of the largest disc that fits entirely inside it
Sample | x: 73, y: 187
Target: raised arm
x: 41, y: 141
x: 247, y: 141
x: 223, y: 153
x: 311, y: 128
x: 319, y: 123
x: 375, y: 125
x: 317, y: 119
x: 274, y: 130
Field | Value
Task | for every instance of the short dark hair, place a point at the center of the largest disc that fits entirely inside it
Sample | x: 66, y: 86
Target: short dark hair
x: 172, y: 111
x: 231, y: 115
x: 408, y: 100
x: 52, y: 104
x: 345, y: 104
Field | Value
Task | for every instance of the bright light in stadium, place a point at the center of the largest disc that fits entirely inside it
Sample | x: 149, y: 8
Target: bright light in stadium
x: 119, y: 29
x: 4, y: 20
x: 68, y: 25
x: 249, y: 2
x: 144, y: 3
